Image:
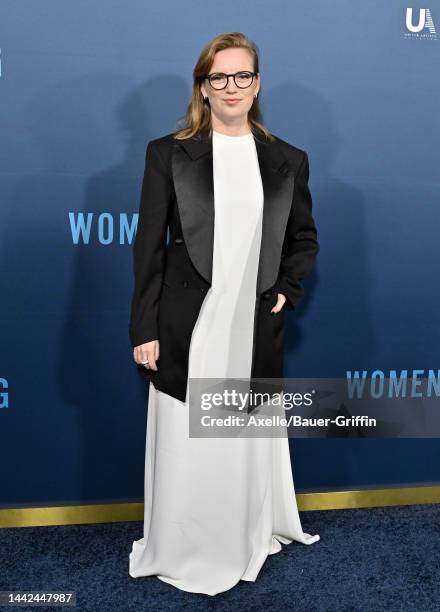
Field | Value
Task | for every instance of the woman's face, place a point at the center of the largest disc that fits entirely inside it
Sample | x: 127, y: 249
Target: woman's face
x: 231, y: 61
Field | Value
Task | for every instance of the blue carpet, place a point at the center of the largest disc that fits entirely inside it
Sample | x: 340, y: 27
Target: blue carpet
x: 367, y: 559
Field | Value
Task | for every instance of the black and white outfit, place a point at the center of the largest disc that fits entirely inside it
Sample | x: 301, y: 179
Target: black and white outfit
x: 215, y: 508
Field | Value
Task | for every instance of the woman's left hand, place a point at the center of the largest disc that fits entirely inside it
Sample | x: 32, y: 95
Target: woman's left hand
x: 280, y: 303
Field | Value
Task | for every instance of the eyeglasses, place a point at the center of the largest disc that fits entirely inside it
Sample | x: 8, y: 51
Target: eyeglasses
x: 220, y: 80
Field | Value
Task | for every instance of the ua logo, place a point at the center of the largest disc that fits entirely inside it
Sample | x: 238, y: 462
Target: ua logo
x: 425, y: 21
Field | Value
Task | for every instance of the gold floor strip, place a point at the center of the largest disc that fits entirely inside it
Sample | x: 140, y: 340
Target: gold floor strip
x: 113, y: 513
x: 369, y: 498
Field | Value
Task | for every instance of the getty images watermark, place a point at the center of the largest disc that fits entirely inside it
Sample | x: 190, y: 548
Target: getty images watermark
x: 314, y: 408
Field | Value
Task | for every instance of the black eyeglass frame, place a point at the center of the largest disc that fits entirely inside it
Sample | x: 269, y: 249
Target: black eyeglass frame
x: 253, y: 74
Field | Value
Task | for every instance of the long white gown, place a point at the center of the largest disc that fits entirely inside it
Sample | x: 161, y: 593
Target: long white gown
x: 215, y: 508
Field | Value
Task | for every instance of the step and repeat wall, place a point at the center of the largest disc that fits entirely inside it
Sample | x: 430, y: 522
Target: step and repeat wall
x: 83, y: 87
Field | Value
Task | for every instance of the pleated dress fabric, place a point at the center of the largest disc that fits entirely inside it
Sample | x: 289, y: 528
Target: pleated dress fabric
x: 215, y: 508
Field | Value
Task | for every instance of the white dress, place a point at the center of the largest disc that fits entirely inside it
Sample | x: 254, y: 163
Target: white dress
x: 215, y: 508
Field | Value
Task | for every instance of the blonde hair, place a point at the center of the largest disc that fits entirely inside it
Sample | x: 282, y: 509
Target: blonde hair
x: 197, y: 118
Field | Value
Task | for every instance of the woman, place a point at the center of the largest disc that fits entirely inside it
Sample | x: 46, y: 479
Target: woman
x: 210, y: 303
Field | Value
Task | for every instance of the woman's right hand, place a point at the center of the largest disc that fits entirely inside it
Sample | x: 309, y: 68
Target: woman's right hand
x: 147, y: 351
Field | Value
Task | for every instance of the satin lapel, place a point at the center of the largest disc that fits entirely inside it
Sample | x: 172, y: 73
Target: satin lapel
x: 278, y: 181
x: 194, y: 185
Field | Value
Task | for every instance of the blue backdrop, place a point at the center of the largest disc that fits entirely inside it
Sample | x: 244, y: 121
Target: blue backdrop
x: 83, y: 87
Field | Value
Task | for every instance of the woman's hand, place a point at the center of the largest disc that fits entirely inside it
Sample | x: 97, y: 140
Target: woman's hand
x: 147, y: 352
x: 280, y: 303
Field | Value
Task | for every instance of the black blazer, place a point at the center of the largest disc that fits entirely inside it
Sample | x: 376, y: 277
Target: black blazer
x: 172, y: 278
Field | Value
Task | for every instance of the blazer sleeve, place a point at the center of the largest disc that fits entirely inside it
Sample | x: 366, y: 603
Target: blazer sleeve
x: 149, y: 248
x: 300, y: 246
